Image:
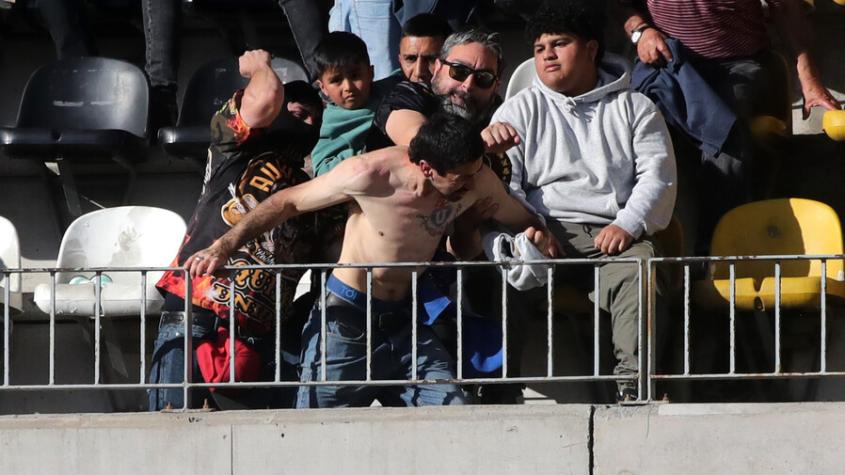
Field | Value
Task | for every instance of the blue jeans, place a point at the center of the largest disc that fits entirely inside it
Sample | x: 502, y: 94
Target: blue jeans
x: 168, y: 365
x: 374, y: 22
x: 168, y: 361
x: 346, y: 358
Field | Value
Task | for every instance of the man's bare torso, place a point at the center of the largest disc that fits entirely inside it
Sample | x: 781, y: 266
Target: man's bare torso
x: 400, y: 219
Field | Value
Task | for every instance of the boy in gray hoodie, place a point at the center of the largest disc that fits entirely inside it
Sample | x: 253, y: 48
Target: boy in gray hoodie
x: 593, y: 157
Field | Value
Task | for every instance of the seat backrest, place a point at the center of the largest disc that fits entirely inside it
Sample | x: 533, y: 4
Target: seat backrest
x: 521, y: 78
x: 288, y: 70
x: 86, y: 93
x: 10, y: 253
x: 790, y: 226
x: 126, y: 236
x: 213, y: 83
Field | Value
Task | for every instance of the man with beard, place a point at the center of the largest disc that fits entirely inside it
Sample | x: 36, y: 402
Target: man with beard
x: 466, y: 76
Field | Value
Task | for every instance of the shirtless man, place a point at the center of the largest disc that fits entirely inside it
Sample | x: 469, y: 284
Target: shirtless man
x: 402, y: 201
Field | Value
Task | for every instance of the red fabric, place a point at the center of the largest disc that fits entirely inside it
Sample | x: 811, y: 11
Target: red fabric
x: 213, y: 359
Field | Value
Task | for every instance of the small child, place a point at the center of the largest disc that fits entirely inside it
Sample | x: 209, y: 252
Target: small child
x: 345, y: 76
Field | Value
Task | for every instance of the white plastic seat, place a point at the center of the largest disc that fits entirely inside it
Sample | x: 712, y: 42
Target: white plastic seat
x: 10, y: 258
x: 522, y: 77
x: 126, y: 236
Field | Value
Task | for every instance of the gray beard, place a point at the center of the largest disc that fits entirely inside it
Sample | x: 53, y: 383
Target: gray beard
x: 468, y: 110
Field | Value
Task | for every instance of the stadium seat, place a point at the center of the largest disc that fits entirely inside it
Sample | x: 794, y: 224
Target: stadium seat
x: 81, y: 110
x: 126, y: 236
x: 208, y: 89
x: 10, y: 258
x: 521, y: 78
x: 833, y: 123
x: 791, y: 226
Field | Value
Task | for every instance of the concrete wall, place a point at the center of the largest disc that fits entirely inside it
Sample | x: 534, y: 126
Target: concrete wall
x: 561, y: 439
x: 536, y: 440
x: 719, y: 438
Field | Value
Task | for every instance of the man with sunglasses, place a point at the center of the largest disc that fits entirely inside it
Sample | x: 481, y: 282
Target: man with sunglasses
x: 466, y: 76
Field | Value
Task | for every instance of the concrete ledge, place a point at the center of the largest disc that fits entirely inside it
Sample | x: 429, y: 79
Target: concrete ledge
x: 480, y: 439
x: 719, y: 438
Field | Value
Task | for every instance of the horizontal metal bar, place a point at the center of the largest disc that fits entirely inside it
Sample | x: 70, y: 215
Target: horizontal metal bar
x: 323, y: 265
x: 749, y: 376
x: 288, y: 384
x: 362, y: 265
x: 788, y: 257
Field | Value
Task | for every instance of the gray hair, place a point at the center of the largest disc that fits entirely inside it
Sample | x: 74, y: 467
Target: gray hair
x: 489, y: 40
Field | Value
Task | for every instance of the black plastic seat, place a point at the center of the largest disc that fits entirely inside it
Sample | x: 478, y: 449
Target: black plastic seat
x: 81, y: 110
x: 211, y: 85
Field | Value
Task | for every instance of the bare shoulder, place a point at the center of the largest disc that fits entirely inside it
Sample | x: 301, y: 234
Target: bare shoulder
x: 486, y: 182
x: 363, y: 172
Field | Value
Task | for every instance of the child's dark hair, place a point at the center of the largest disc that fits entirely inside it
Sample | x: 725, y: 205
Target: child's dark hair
x: 302, y: 92
x: 427, y: 25
x: 446, y: 142
x: 340, y: 50
x: 582, y: 18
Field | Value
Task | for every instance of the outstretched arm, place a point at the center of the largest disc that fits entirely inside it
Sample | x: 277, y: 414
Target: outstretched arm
x: 351, y: 177
x: 497, y: 204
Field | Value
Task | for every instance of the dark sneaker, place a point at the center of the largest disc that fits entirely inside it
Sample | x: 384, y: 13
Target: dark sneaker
x: 627, y: 394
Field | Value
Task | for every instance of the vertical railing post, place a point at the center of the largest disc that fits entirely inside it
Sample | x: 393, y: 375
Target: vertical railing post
x: 188, y: 372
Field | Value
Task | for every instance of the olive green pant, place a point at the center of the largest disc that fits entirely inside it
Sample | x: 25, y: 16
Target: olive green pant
x: 619, y: 287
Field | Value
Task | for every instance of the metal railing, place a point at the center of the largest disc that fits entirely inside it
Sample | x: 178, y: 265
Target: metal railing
x: 646, y: 378
x: 754, y: 277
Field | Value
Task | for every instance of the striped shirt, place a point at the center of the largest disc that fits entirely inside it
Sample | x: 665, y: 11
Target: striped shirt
x: 714, y: 28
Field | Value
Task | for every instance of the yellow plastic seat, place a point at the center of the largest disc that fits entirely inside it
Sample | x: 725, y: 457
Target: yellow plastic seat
x: 791, y: 226
x: 833, y: 123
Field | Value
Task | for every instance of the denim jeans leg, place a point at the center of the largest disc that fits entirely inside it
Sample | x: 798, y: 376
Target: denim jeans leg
x: 433, y: 362
x: 168, y: 364
x: 65, y: 20
x: 308, y: 27
x: 162, y: 50
x: 346, y: 359
x: 374, y: 22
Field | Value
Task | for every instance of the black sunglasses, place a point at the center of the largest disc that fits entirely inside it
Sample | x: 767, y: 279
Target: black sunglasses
x: 460, y: 72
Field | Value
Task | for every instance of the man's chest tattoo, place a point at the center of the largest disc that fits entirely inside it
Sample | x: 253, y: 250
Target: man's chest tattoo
x: 442, y: 214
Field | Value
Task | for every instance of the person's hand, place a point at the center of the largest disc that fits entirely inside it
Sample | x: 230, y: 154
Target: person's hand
x: 545, y: 241
x: 498, y: 137
x: 816, y: 95
x: 613, y: 240
x: 652, y: 48
x: 252, y: 61
x: 206, y: 261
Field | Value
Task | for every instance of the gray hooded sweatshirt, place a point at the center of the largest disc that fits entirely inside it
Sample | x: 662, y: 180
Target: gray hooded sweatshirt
x: 604, y: 157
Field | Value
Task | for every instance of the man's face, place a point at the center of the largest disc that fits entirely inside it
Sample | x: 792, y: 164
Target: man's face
x: 417, y: 55
x: 310, y: 114
x: 562, y: 60
x: 467, y: 95
x: 348, y: 88
x: 455, y: 182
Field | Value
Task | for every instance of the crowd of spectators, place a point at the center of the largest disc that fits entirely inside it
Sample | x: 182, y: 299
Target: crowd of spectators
x: 415, y: 157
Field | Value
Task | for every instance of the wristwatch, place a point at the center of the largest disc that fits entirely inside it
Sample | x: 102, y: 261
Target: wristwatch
x: 638, y: 32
